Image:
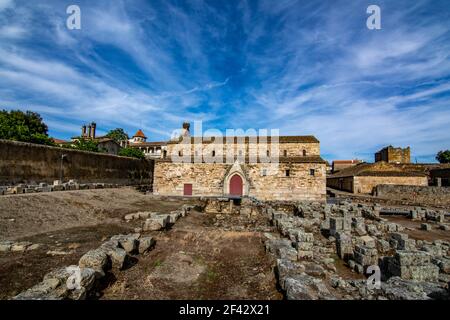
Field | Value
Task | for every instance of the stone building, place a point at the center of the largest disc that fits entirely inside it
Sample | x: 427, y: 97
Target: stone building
x: 364, y: 177
x: 267, y: 168
x: 88, y: 132
x: 394, y: 155
x: 151, y: 150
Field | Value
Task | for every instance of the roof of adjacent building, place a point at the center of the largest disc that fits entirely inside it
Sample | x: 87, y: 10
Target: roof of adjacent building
x: 268, y: 139
x: 347, y: 161
x: 148, y: 144
x: 381, y: 169
x: 311, y: 159
x: 139, y: 134
x: 60, y: 141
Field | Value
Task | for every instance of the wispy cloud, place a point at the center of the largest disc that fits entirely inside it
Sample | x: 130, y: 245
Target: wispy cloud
x: 303, y: 67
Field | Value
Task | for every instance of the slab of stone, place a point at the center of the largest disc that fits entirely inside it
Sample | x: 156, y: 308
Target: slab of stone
x: 145, y: 244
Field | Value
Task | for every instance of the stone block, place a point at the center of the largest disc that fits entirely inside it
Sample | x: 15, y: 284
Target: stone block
x: 425, y: 226
x: 145, y: 244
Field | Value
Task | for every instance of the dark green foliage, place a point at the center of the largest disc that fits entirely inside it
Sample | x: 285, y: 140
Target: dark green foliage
x: 443, y: 156
x: 131, y: 152
x: 23, y: 126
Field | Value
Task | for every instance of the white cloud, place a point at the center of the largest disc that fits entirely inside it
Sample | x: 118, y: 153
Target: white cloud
x: 6, y: 4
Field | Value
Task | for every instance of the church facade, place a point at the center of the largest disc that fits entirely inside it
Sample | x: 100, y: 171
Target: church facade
x: 267, y: 168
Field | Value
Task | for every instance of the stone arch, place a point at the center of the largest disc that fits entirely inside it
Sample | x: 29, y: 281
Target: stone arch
x: 236, y: 169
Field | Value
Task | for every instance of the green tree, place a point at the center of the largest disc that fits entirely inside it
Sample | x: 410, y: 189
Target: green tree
x: 84, y: 145
x: 131, y: 152
x: 118, y: 135
x: 443, y: 156
x: 23, y: 126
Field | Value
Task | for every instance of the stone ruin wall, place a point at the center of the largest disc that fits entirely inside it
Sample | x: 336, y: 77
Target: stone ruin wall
x: 367, y: 184
x: 208, y: 180
x: 439, y: 196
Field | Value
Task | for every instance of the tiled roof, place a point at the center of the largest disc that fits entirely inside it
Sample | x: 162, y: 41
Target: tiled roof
x: 380, y: 169
x: 148, y: 144
x: 139, y: 134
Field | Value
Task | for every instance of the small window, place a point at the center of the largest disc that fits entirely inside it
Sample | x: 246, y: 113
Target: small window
x: 264, y: 172
x: 214, y: 153
x: 288, y: 173
x: 165, y: 153
x: 312, y: 172
x: 304, y: 153
x: 268, y: 153
x: 196, y: 153
x: 285, y: 153
x: 240, y: 152
x: 180, y: 153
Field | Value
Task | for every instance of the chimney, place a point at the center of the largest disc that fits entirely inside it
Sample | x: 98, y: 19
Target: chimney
x: 94, y: 126
x: 185, y: 131
x: 83, y: 131
x: 89, y: 131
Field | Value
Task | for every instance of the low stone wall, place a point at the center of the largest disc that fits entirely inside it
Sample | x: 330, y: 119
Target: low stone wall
x: 24, y: 162
x: 439, y: 196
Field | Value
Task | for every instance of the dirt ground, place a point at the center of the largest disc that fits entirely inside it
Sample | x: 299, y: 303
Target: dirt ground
x: 192, y: 260
x: 29, y: 214
x: 68, y: 224
x: 196, y: 260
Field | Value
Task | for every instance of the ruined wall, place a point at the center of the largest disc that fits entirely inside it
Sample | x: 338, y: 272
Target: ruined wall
x: 417, y: 194
x: 394, y: 155
x: 24, y: 162
x: 208, y: 180
x: 366, y: 184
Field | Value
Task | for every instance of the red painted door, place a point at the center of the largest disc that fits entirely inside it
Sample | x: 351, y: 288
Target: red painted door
x: 188, y: 189
x: 236, y: 185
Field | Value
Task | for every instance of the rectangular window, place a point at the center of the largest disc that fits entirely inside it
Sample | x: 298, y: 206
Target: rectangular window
x: 288, y: 173
x: 263, y: 172
x: 312, y: 172
x: 285, y: 153
x: 214, y: 153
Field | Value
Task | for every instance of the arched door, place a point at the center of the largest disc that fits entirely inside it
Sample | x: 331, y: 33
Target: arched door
x: 236, y: 185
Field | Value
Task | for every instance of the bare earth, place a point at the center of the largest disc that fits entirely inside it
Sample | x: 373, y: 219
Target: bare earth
x: 193, y: 260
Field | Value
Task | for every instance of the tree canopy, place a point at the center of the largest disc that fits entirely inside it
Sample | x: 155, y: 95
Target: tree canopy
x: 131, y: 152
x: 84, y: 145
x: 23, y: 126
x: 118, y: 135
x: 443, y: 156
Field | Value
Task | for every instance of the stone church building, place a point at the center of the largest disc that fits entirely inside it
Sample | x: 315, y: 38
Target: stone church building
x: 287, y: 168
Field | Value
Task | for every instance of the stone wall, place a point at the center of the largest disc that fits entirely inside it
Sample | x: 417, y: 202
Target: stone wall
x: 210, y: 180
x: 418, y: 194
x: 292, y: 149
x: 24, y: 162
x: 366, y: 184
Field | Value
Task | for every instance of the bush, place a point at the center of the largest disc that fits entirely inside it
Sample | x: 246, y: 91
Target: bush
x: 132, y: 153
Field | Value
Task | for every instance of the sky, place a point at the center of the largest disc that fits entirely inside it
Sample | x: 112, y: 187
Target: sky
x: 303, y: 67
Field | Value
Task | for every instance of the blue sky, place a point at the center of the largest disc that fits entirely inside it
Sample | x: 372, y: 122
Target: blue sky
x: 303, y: 67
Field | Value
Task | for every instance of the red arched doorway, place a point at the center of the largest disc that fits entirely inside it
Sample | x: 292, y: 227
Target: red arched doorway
x: 236, y: 185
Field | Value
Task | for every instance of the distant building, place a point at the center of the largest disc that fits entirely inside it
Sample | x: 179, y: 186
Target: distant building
x: 440, y: 177
x: 394, y: 155
x: 154, y: 149
x: 105, y: 144
x: 364, y: 177
x: 338, y: 165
